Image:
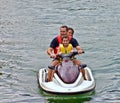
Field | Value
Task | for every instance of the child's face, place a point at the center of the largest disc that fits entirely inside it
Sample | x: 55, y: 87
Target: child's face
x: 65, y: 41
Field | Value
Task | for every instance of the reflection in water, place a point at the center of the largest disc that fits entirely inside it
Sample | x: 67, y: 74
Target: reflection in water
x: 67, y: 98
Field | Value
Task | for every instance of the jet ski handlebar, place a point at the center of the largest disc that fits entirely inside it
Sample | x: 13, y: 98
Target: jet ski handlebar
x: 68, y: 55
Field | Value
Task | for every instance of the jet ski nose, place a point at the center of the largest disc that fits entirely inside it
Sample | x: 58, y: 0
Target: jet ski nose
x: 65, y: 60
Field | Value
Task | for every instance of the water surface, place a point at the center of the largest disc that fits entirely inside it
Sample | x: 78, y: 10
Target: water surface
x: 26, y: 29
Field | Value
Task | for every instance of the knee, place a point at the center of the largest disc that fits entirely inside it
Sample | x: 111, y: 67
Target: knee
x: 51, y: 67
x: 83, y: 65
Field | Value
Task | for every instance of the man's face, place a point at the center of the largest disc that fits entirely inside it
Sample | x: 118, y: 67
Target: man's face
x: 69, y: 33
x: 63, y: 31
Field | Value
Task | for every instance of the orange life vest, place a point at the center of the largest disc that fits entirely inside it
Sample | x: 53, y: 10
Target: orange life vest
x: 59, y: 42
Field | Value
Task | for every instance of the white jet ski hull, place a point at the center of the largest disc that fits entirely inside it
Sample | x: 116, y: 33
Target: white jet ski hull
x: 57, y: 86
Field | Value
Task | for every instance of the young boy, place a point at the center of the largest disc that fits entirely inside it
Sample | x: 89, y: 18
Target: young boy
x: 65, y: 47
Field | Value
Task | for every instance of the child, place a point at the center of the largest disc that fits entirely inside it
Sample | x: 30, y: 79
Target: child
x: 65, y: 47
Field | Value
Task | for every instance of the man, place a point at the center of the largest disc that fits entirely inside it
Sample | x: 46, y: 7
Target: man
x: 70, y: 34
x: 53, y: 49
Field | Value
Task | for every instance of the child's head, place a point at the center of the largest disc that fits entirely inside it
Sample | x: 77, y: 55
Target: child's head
x: 65, y: 40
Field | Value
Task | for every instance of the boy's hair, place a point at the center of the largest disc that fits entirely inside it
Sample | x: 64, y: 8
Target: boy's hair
x: 64, y: 36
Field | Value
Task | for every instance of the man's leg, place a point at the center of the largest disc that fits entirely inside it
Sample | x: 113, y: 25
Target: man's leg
x: 50, y: 74
x: 83, y: 73
x: 51, y: 70
x: 78, y: 62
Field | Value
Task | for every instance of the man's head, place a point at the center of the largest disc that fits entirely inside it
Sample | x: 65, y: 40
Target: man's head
x: 63, y: 30
x: 70, y: 33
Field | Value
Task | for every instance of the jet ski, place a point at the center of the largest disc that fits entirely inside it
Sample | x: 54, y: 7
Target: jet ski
x: 67, y: 79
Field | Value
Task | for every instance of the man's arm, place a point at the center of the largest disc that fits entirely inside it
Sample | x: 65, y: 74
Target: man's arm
x: 50, y: 51
x: 79, y: 49
x: 75, y: 44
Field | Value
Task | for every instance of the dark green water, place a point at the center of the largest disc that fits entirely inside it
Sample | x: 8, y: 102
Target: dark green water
x: 26, y: 29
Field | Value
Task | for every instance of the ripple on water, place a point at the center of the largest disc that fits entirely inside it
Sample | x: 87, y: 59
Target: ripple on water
x: 26, y: 29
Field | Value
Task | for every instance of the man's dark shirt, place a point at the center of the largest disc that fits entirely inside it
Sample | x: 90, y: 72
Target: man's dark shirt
x: 54, y: 43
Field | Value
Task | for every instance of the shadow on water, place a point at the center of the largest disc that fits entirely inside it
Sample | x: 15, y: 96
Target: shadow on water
x: 1, y: 73
x: 72, y: 98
